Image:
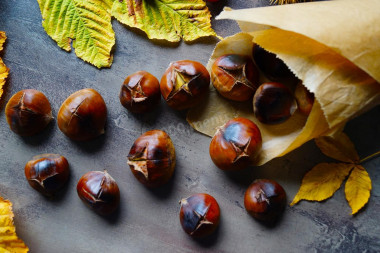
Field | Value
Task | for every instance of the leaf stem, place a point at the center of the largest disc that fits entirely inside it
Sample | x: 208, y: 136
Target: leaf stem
x: 369, y: 157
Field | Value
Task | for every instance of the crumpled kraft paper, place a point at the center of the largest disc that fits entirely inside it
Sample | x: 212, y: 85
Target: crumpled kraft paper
x: 332, y: 46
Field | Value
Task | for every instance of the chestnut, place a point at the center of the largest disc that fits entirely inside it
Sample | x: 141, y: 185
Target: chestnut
x: 304, y: 98
x: 152, y: 158
x: 235, y: 77
x: 272, y: 67
x: 140, y: 92
x: 236, y: 144
x: 199, y: 214
x: 184, y: 84
x: 265, y: 200
x: 28, y: 112
x: 273, y: 103
x: 47, y: 173
x: 82, y: 115
x: 99, y: 191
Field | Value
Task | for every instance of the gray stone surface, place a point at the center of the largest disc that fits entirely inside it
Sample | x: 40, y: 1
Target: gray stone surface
x: 147, y: 220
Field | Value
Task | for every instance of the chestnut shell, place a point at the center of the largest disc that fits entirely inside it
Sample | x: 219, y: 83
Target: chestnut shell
x: 140, y: 92
x: 265, y: 200
x: 236, y: 144
x: 273, y: 103
x: 28, y: 112
x: 83, y: 115
x: 184, y: 84
x: 47, y: 173
x: 199, y: 215
x: 99, y: 191
x: 235, y: 77
x: 152, y: 158
x: 304, y: 98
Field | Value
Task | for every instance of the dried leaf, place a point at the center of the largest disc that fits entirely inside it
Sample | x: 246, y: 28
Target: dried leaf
x: 322, y: 181
x: 358, y: 188
x: 84, y: 23
x: 339, y: 147
x: 286, y: 1
x: 166, y: 19
x: 9, y: 242
x: 4, y: 71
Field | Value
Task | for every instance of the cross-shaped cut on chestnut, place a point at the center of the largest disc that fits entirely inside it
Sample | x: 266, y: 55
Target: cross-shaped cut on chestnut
x: 235, y: 76
x: 236, y: 145
x: 152, y: 158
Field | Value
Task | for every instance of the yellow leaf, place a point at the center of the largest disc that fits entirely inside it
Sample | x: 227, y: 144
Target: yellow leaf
x: 322, y: 181
x: 166, y: 19
x: 3, y: 69
x: 339, y: 147
x: 358, y: 188
x: 85, y: 23
x: 9, y: 242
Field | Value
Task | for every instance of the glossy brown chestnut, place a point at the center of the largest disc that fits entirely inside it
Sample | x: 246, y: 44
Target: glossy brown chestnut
x: 236, y: 145
x: 47, y: 173
x: 304, y: 98
x: 273, y: 103
x: 265, y: 200
x: 83, y: 115
x: 152, y: 158
x: 274, y: 68
x: 235, y: 77
x: 140, y: 92
x: 28, y: 112
x: 99, y: 191
x: 184, y: 84
x: 199, y: 215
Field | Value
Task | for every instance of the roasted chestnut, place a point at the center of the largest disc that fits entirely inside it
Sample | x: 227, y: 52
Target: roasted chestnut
x: 47, y: 173
x: 184, y: 84
x: 199, y: 215
x: 140, y: 92
x: 235, y: 77
x: 274, y: 68
x: 236, y: 144
x: 152, y: 158
x: 304, y: 98
x: 83, y: 115
x: 265, y: 200
x: 99, y: 191
x: 28, y: 112
x: 273, y: 103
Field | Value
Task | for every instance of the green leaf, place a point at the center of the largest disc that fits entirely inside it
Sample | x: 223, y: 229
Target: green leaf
x: 166, y: 19
x: 85, y: 23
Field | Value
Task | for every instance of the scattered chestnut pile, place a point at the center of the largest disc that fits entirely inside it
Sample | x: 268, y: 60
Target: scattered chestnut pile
x: 152, y: 159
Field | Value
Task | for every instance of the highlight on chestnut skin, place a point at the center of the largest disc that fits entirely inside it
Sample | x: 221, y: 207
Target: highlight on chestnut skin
x: 199, y: 215
x: 83, y: 115
x: 140, y: 92
x: 99, y: 191
x: 273, y: 103
x: 265, y: 200
x: 236, y: 145
x: 304, y: 98
x: 47, y: 173
x: 152, y: 158
x: 235, y: 77
x: 184, y: 84
x: 28, y: 112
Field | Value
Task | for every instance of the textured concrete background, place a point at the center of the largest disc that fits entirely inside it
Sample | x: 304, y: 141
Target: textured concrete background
x: 147, y: 220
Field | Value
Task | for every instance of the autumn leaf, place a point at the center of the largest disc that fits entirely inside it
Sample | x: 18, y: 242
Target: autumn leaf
x: 338, y: 147
x: 4, y: 71
x: 324, y: 179
x: 286, y: 1
x: 166, y: 19
x: 321, y: 182
x: 358, y: 188
x: 84, y: 23
x: 9, y: 242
